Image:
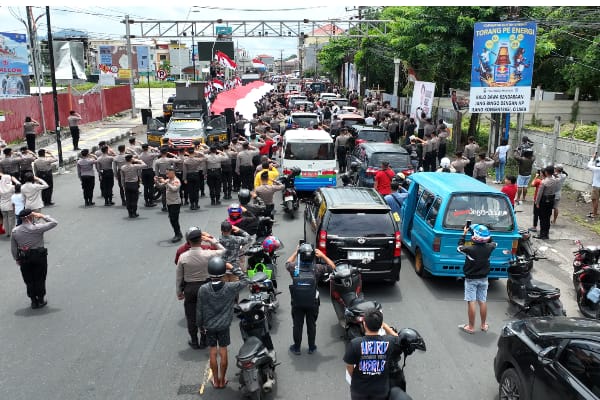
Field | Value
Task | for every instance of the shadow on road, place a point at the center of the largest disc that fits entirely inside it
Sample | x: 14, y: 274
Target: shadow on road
x: 29, y: 312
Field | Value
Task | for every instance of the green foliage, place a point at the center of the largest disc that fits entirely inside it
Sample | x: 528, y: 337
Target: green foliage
x: 166, y: 65
x: 333, y: 55
x: 155, y: 84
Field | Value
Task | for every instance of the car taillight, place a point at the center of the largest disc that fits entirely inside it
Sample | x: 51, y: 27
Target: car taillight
x: 397, y: 244
x: 515, y: 245
x: 371, y: 171
x: 388, y: 141
x: 255, y: 288
x: 322, y: 245
x: 287, y: 171
x: 437, y: 244
x: 328, y: 172
x: 246, y: 364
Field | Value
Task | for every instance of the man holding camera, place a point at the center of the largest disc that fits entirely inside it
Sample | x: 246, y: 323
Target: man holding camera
x: 171, y: 187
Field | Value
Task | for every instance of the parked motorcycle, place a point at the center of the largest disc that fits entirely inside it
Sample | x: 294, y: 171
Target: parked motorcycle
x: 532, y: 298
x: 256, y: 363
x: 345, y: 290
x: 410, y: 340
x: 262, y: 268
x: 586, y: 279
x: 350, y: 178
x: 291, y: 201
x: 524, y: 246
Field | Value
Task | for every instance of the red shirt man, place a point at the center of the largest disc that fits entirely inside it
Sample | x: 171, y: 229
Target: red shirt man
x: 383, y: 179
x: 510, y: 188
x: 266, y: 149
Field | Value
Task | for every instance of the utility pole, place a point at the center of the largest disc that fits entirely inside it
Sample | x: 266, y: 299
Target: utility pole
x: 54, y: 93
x: 35, y: 60
x: 130, y: 63
x: 281, y: 62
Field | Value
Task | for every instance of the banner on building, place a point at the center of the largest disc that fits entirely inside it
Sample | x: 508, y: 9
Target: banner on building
x: 14, y: 65
x: 422, y: 98
x: 143, y: 59
x: 112, y: 59
x: 502, y: 67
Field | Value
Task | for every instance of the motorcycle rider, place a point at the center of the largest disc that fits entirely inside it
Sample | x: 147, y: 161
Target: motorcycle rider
x: 367, y: 360
x: 476, y: 270
x: 305, y: 273
x: 256, y: 207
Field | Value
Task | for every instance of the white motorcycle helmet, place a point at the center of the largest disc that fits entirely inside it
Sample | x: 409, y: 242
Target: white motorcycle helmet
x: 445, y: 162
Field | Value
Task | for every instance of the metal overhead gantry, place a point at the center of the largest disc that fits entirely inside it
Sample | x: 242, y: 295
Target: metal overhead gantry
x: 261, y: 28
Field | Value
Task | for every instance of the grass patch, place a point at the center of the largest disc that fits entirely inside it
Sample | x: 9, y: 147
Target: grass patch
x: 594, y: 227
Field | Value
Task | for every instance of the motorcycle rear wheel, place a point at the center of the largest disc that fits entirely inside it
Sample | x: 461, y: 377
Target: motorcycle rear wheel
x: 289, y: 208
x: 587, y: 311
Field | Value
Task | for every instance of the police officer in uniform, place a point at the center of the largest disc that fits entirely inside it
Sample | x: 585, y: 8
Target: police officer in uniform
x: 133, y: 148
x: 118, y: 162
x: 26, y: 161
x: 106, y: 174
x: 43, y: 168
x: 227, y: 172
x: 10, y: 163
x: 160, y: 169
x: 213, y: 174
x: 305, y: 303
x: 192, y: 166
x: 245, y: 167
x: 236, y: 147
x: 27, y: 247
x: 85, y: 172
x: 148, y: 155
x: 131, y: 182
x: 201, y: 148
x: 178, y: 168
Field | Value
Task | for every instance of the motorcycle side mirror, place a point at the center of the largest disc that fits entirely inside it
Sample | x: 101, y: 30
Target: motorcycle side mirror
x: 545, y: 356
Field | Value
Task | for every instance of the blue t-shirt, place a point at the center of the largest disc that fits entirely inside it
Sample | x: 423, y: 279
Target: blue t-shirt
x: 396, y: 199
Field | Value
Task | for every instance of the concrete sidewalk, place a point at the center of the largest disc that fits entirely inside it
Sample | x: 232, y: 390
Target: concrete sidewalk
x: 111, y: 130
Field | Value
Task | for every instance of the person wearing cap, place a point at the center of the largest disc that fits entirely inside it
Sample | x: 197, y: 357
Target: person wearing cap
x: 160, y: 169
x: 191, y: 273
x: 85, y: 173
x: 148, y: 155
x: 192, y: 167
x: 594, y: 166
x: 131, y: 182
x: 27, y: 248
x: 476, y: 271
x: 42, y: 167
x: 214, y: 159
x: 383, y: 179
x: 26, y: 161
x: 171, y: 186
x: 106, y: 175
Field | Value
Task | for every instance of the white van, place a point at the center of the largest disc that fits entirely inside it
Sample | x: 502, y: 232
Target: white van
x: 311, y: 150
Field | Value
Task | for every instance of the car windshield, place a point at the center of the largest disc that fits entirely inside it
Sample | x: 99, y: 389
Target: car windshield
x: 373, y: 136
x: 396, y: 160
x: 365, y: 224
x: 309, y: 151
x: 186, y: 128
x: 305, y: 121
x: 494, y: 211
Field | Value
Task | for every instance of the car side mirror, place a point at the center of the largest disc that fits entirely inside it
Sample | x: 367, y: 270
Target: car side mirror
x: 546, y: 356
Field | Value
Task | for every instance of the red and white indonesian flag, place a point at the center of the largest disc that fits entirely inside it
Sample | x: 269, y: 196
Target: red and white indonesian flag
x: 217, y: 84
x: 257, y: 63
x: 224, y: 60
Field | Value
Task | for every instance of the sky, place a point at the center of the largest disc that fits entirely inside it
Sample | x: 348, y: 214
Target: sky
x: 103, y: 20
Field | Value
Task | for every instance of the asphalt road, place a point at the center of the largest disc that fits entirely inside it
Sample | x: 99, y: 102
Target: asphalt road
x: 113, y: 328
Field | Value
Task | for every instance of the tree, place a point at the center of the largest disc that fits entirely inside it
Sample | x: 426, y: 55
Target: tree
x: 334, y: 54
x: 166, y: 65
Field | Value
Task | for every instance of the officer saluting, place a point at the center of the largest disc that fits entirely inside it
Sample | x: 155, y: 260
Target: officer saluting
x: 27, y: 247
x: 130, y: 179
x: 160, y: 169
x: 43, y: 168
x: 107, y: 177
x: 148, y: 155
x: 192, y: 166
x: 214, y: 159
x: 118, y: 162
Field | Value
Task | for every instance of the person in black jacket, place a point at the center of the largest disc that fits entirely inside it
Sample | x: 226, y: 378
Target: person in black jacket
x: 476, y: 270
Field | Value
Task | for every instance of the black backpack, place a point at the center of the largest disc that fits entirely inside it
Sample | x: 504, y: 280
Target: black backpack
x: 303, y: 289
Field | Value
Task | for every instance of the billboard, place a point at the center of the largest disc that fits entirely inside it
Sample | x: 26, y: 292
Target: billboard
x: 114, y: 58
x: 502, y: 66
x: 14, y: 65
x: 422, y: 98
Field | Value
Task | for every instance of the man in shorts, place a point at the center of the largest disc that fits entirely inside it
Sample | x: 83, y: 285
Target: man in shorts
x: 594, y: 166
x: 476, y: 270
x: 525, y: 160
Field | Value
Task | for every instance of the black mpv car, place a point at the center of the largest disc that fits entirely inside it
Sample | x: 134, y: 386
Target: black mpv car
x: 554, y: 358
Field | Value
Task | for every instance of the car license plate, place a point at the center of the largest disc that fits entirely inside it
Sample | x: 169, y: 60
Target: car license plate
x: 310, y: 174
x: 288, y: 198
x: 360, y: 255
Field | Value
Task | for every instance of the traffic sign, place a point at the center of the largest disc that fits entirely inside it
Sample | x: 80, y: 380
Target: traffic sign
x: 161, y: 74
x: 223, y: 30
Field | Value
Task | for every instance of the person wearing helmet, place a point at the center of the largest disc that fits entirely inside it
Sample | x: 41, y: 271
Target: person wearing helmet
x: 215, y: 313
x: 476, y: 270
x: 445, y: 166
x: 191, y: 273
x: 233, y: 239
x: 305, y: 273
x: 594, y: 166
x: 368, y: 359
x: 256, y: 207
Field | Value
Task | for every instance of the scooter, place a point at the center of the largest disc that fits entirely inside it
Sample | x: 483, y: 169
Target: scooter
x: 586, y: 280
x: 345, y: 290
x: 532, y: 298
x: 256, y: 363
x: 262, y: 268
x: 291, y: 201
x: 584, y: 256
x: 524, y: 245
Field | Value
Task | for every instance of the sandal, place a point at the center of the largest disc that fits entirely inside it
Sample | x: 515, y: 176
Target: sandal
x: 485, y: 328
x: 214, y: 385
x: 465, y: 328
x: 591, y: 215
